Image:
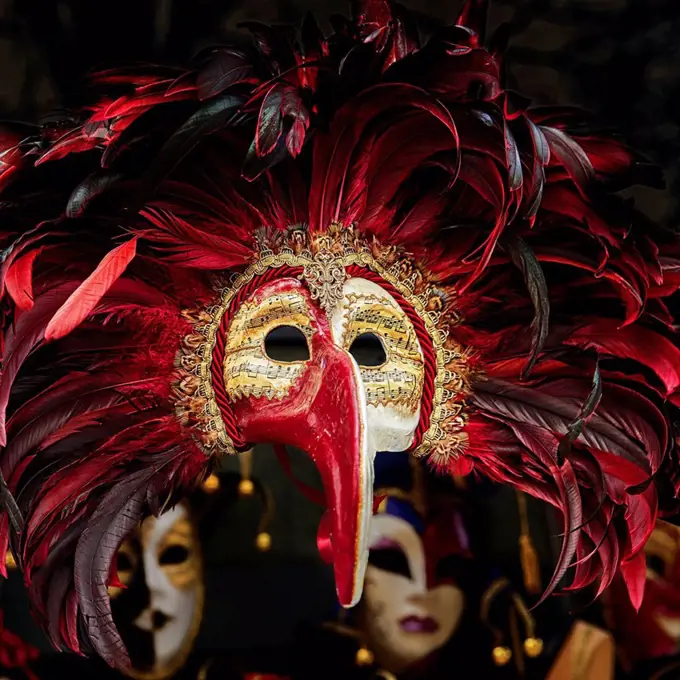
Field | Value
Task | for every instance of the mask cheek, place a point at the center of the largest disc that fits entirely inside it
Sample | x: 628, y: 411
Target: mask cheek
x: 391, y: 429
x: 446, y: 603
x: 174, y: 639
x: 386, y: 603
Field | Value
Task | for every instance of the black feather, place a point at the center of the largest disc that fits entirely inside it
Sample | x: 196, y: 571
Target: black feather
x: 270, y: 121
x: 525, y: 260
x: 91, y: 187
x: 226, y: 68
x: 114, y: 519
x: 10, y: 506
x: 510, y: 402
x: 576, y: 426
x: 571, y: 154
x: 209, y: 119
x: 255, y: 165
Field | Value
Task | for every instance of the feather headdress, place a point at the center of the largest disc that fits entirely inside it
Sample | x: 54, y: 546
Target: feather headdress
x: 119, y: 219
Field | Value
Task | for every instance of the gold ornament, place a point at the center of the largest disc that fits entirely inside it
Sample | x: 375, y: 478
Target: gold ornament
x: 531, y: 569
x: 211, y: 484
x: 263, y: 541
x: 246, y: 487
x: 364, y: 657
x: 501, y: 655
x: 533, y: 647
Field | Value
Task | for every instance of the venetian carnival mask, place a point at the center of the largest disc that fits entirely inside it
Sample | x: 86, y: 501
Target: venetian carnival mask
x: 412, y: 604
x: 355, y: 333
x: 159, y: 608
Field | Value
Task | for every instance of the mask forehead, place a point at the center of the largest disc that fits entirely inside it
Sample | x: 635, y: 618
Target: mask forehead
x: 394, y: 388
x: 154, y: 529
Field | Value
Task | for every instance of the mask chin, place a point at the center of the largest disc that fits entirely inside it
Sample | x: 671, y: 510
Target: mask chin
x: 403, y: 618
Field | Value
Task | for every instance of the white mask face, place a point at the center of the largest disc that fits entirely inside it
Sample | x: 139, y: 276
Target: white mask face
x: 404, y: 620
x: 371, y: 324
x: 162, y: 569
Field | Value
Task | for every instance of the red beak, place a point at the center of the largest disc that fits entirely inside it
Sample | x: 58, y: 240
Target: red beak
x: 325, y: 415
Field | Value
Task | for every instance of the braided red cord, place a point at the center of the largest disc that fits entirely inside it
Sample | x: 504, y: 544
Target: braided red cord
x: 217, y: 364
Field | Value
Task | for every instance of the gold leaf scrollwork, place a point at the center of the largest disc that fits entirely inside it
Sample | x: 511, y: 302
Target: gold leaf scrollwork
x: 325, y: 278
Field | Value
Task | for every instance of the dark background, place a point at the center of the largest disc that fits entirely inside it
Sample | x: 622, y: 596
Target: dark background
x: 619, y: 58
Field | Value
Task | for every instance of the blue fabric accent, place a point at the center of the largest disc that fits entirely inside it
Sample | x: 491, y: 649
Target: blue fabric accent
x: 393, y: 470
x: 405, y: 511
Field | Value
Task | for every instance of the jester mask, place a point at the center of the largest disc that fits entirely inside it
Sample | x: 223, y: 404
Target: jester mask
x: 158, y: 603
x: 453, y: 271
x: 419, y: 564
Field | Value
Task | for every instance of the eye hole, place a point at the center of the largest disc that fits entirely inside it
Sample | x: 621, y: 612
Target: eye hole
x: 174, y: 554
x: 368, y: 350
x: 124, y: 562
x: 656, y: 564
x: 390, y: 559
x: 286, y: 344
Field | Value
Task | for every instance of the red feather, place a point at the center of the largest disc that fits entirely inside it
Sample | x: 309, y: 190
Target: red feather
x: 650, y: 349
x: 85, y: 298
x: 19, y: 280
x: 634, y: 573
x: 22, y: 339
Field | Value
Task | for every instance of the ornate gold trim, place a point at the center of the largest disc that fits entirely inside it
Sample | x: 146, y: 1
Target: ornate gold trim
x: 324, y: 259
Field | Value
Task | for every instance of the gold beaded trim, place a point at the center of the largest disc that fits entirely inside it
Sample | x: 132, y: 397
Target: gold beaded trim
x: 324, y: 258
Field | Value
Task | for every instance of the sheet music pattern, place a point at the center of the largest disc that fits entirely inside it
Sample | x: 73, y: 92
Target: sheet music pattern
x: 399, y: 381
x: 248, y: 371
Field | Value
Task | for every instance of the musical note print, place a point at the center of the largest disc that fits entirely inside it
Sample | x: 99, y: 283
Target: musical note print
x: 248, y: 371
x: 398, y: 383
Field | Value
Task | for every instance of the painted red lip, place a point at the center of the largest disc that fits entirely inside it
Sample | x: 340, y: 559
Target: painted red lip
x: 417, y: 624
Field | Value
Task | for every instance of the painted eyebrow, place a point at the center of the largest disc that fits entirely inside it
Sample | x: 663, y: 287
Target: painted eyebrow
x: 385, y: 543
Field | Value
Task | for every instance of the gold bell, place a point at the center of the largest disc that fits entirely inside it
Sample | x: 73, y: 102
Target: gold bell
x: 211, y: 484
x: 246, y: 487
x: 364, y: 657
x: 533, y: 647
x: 263, y: 541
x: 501, y: 655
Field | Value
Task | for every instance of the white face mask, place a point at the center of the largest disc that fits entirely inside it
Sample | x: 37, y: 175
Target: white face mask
x: 165, y: 555
x: 404, y: 620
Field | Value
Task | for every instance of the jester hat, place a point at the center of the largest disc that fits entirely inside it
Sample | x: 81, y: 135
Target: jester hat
x: 362, y: 191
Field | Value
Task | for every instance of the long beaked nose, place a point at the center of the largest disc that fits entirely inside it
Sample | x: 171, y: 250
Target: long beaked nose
x: 326, y: 417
